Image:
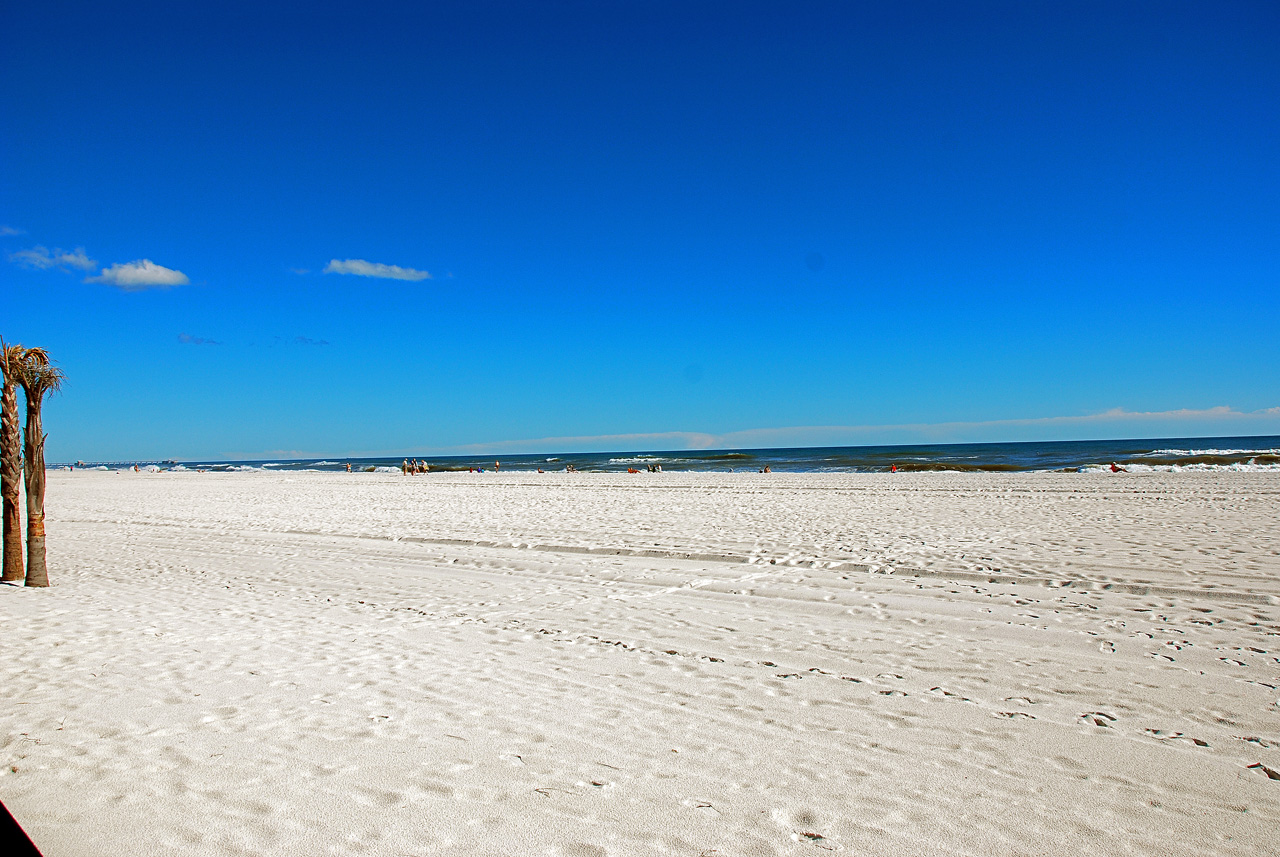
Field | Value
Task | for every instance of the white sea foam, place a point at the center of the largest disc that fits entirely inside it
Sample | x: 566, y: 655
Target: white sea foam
x: 1248, y: 467
x: 386, y: 470
x: 1214, y: 452
x: 642, y: 459
x: 329, y: 463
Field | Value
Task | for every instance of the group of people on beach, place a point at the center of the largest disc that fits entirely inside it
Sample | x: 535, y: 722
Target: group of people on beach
x: 413, y: 466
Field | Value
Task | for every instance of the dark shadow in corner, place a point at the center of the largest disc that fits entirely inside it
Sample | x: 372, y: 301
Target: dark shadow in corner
x: 13, y: 839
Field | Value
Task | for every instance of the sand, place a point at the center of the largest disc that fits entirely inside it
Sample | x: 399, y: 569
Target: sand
x: 684, y: 664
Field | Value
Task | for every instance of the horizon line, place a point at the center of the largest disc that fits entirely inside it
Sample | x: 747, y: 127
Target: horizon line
x: 1229, y: 423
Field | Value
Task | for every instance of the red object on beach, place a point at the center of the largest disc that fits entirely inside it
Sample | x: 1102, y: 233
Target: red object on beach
x: 893, y: 469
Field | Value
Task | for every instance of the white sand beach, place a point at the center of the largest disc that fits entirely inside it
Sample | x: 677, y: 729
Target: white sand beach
x: 675, y: 664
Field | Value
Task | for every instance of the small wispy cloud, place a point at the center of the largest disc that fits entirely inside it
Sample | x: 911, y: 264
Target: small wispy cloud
x: 6, y: 231
x: 42, y: 258
x: 139, y: 275
x: 188, y: 339
x: 300, y: 271
x: 646, y: 440
x: 1116, y: 422
x: 361, y: 268
x: 287, y: 342
x: 276, y: 454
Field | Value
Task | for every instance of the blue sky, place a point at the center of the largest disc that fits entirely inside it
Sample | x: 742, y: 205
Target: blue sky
x: 645, y: 224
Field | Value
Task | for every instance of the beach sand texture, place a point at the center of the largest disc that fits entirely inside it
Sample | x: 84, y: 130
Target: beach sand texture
x: 684, y: 664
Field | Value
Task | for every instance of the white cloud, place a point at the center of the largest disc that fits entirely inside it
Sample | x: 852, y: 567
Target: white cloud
x: 596, y: 443
x: 188, y: 339
x: 138, y: 275
x: 1117, y: 422
x: 6, y: 231
x: 361, y: 268
x: 1184, y: 422
x: 42, y: 258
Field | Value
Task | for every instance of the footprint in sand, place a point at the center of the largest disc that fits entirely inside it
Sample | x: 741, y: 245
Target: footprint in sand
x: 1107, y: 646
x: 1013, y: 715
x: 892, y: 692
x: 1233, y: 661
x: 1099, y: 718
x: 1161, y: 735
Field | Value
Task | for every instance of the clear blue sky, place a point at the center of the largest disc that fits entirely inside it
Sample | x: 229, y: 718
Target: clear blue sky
x: 732, y: 222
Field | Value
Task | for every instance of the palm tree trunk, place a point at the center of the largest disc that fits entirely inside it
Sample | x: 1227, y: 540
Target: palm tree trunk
x: 10, y: 477
x: 37, y: 569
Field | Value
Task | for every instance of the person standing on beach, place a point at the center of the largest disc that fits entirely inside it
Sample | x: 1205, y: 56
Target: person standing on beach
x: 404, y: 467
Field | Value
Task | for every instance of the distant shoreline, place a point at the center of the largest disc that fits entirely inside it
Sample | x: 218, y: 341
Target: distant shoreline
x: 1259, y: 453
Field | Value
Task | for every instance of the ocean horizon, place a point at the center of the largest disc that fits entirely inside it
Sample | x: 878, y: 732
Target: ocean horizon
x: 1239, y: 453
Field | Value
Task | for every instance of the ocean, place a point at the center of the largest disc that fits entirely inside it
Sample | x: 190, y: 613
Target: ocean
x: 1154, y: 454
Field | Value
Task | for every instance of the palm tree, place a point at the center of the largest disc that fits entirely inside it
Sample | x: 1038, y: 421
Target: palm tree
x: 37, y: 378
x: 11, y: 359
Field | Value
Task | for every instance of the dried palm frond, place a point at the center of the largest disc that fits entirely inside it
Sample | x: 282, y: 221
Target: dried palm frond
x: 37, y: 379
x: 36, y: 357
x: 10, y: 356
